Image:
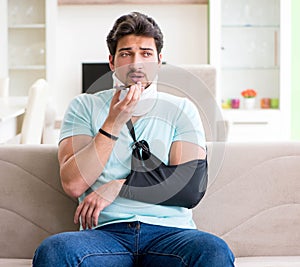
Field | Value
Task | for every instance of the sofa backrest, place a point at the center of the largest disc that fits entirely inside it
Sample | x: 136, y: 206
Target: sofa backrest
x: 33, y: 203
x: 252, y: 201
x: 253, y: 198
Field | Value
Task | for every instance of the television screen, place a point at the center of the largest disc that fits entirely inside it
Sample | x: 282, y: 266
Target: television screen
x: 91, y: 72
x: 99, y: 72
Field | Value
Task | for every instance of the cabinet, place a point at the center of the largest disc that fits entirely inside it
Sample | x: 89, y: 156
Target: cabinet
x: 250, y: 46
x: 28, y: 42
x: 121, y: 2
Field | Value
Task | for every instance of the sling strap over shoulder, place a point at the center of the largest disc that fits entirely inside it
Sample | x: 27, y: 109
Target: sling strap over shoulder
x: 152, y: 181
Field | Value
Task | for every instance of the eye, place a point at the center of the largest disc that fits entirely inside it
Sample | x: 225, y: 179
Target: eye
x: 124, y: 54
x: 147, y: 54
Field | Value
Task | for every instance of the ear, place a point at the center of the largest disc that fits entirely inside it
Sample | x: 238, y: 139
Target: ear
x: 111, y: 62
x: 160, y: 60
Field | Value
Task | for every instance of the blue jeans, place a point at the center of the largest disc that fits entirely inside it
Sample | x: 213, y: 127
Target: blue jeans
x: 131, y: 245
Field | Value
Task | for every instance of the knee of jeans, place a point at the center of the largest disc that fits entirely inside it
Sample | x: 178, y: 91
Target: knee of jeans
x: 51, y: 247
x: 220, y: 253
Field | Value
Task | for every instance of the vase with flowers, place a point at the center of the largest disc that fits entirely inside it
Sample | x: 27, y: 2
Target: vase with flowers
x: 249, y: 96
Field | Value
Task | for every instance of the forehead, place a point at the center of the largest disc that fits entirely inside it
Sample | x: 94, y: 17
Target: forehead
x: 134, y: 42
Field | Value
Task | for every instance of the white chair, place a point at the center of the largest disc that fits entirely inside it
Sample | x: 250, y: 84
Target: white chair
x: 4, y: 86
x: 34, y: 117
x: 198, y: 83
x: 51, y: 131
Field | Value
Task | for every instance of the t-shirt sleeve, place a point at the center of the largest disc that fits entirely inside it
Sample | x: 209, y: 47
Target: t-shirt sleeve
x: 77, y: 119
x: 189, y: 126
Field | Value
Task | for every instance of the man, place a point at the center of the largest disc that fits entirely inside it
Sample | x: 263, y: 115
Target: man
x: 95, y: 158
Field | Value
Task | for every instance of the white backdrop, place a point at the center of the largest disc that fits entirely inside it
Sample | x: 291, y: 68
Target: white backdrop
x: 82, y: 31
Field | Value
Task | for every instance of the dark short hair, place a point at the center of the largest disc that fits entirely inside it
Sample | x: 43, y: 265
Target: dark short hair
x: 134, y: 23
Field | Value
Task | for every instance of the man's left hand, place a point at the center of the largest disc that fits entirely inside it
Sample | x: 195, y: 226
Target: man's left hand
x: 89, y: 209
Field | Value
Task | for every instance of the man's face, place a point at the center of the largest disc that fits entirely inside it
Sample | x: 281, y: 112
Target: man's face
x: 136, y: 59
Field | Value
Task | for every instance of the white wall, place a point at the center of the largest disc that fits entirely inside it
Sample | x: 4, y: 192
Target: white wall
x: 82, y: 31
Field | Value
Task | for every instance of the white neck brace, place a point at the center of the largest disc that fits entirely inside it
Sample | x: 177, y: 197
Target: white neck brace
x: 147, y: 99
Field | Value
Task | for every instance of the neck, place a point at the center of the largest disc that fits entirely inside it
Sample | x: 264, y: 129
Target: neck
x: 135, y: 118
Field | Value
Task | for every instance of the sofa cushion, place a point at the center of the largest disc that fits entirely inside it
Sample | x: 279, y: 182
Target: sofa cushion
x: 15, y: 262
x: 285, y: 261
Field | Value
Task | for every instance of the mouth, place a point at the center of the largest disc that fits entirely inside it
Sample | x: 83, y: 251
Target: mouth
x: 136, y: 76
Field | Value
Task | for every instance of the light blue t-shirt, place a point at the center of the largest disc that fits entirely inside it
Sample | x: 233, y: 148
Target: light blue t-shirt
x: 171, y: 119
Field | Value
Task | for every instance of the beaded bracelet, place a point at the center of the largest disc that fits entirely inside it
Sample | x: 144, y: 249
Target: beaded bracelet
x: 108, y: 134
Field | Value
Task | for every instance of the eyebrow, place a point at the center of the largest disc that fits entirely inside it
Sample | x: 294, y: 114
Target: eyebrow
x: 130, y: 48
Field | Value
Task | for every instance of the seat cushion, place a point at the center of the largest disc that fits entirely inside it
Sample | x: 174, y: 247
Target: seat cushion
x: 278, y: 261
x: 284, y: 261
x: 15, y: 263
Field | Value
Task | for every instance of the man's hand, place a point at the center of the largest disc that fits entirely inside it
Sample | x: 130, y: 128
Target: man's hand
x: 121, y: 110
x: 89, y: 209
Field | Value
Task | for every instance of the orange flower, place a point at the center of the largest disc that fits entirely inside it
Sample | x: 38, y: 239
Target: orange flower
x: 248, y: 93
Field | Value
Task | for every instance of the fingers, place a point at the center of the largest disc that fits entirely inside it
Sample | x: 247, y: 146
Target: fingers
x: 116, y: 97
x: 133, y: 95
x: 78, y: 212
x: 88, y: 212
x: 89, y: 209
x: 96, y: 213
x: 121, y: 110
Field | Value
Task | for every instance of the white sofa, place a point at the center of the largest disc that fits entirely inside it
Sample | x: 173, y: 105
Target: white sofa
x: 252, y: 201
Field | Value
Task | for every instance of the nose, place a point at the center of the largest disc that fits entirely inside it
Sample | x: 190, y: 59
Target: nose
x: 136, y: 63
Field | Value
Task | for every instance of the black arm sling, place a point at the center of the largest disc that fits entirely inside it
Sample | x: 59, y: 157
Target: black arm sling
x: 152, y: 181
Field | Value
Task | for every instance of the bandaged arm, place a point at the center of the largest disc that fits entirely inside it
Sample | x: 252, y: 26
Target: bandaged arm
x: 154, y: 182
